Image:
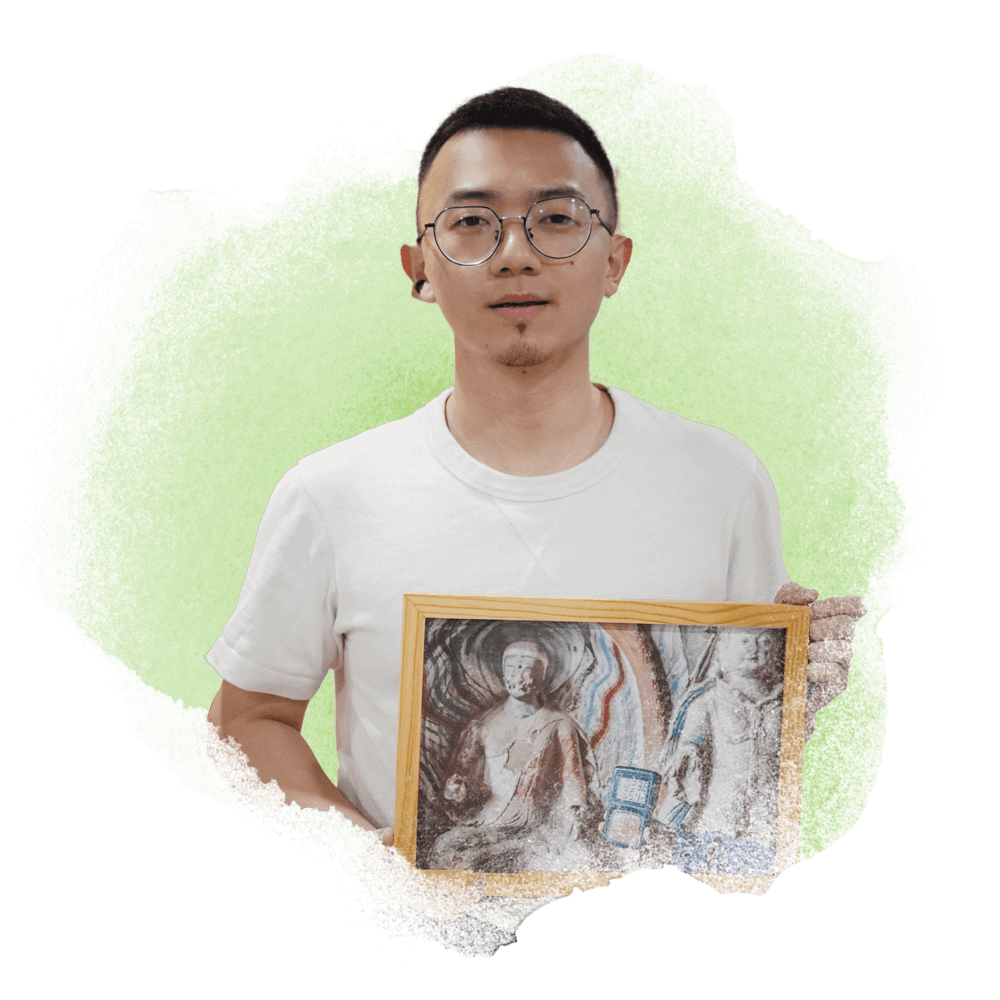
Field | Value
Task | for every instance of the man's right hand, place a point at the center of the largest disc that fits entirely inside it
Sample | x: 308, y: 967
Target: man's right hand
x: 262, y: 733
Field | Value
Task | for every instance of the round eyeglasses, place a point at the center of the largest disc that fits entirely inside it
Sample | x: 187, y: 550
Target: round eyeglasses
x: 556, y: 228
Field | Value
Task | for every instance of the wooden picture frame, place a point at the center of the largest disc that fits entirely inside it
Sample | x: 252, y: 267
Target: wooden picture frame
x: 706, y: 699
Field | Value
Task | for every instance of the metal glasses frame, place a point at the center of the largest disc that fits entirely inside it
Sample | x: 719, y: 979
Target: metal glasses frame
x: 524, y: 222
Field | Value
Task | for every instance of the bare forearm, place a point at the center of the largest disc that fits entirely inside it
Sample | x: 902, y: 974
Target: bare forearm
x: 278, y: 751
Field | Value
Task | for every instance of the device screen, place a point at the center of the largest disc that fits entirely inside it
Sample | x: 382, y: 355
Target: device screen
x: 633, y: 793
x: 632, y: 790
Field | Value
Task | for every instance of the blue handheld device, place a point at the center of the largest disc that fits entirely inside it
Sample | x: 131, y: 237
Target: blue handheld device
x: 633, y: 795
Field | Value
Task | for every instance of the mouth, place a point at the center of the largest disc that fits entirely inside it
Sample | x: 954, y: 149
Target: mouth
x: 519, y: 300
x: 519, y: 306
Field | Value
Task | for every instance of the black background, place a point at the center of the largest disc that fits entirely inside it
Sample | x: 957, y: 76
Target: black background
x: 118, y: 849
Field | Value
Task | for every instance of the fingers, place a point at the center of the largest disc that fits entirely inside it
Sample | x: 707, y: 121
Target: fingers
x: 831, y: 676
x: 825, y: 680
x: 830, y: 607
x: 826, y: 677
x: 792, y: 593
x: 830, y: 650
x: 835, y: 627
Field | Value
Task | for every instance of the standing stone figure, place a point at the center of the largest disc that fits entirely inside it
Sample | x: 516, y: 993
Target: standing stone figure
x: 723, y: 752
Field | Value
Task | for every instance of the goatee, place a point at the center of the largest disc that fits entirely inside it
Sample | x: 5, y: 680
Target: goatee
x: 520, y: 355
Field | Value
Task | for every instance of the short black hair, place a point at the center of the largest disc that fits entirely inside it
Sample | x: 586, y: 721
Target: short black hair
x: 518, y: 109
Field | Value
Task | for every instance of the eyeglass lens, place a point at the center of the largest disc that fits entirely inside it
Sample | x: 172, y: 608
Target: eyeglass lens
x: 557, y: 227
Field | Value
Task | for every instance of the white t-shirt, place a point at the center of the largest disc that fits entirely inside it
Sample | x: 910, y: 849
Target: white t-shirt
x: 666, y: 509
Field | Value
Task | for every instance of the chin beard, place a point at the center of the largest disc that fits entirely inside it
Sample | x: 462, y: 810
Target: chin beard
x: 521, y: 357
x: 521, y: 354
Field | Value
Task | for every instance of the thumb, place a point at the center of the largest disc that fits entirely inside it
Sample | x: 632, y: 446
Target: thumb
x: 792, y: 593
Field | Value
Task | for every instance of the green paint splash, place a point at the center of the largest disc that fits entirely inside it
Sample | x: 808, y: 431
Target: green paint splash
x: 213, y: 333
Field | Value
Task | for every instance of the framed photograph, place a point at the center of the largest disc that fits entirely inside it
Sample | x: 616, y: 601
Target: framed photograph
x: 546, y: 744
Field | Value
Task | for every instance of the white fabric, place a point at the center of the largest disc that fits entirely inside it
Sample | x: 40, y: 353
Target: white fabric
x: 667, y: 509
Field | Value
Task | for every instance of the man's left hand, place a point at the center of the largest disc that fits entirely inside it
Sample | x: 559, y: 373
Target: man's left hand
x: 831, y: 628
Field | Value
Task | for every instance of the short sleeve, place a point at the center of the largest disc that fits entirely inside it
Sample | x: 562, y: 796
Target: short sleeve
x: 281, y: 638
x: 756, y: 565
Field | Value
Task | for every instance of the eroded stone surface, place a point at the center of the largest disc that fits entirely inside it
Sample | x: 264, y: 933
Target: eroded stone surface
x: 836, y: 627
x: 792, y: 593
x: 830, y: 649
x: 829, y: 607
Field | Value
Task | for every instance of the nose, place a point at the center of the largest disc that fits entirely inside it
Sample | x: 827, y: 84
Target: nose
x: 515, y: 254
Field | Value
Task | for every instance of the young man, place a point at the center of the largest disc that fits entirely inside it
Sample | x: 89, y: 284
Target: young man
x: 524, y: 479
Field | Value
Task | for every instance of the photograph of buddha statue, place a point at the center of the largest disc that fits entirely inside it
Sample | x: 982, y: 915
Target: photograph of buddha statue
x: 524, y: 722
x: 522, y: 788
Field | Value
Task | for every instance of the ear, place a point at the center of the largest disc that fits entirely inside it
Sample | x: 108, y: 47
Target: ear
x: 618, y: 259
x: 413, y: 264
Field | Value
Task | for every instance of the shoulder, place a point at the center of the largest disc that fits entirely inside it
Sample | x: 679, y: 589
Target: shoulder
x: 563, y: 722
x: 389, y: 442
x: 478, y: 720
x: 372, y: 462
x: 654, y: 430
x: 472, y: 730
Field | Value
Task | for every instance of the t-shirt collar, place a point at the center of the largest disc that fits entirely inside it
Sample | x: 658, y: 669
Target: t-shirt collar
x: 528, y: 488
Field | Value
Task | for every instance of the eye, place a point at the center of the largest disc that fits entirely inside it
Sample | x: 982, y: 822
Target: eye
x: 469, y: 221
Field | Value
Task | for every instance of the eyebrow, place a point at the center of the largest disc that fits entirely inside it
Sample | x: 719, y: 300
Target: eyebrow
x: 538, y: 194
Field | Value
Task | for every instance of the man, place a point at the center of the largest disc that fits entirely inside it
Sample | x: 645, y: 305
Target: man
x: 524, y: 479
x: 523, y: 786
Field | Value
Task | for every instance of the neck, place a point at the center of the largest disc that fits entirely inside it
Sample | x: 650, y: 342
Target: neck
x: 522, y: 709
x: 530, y: 421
